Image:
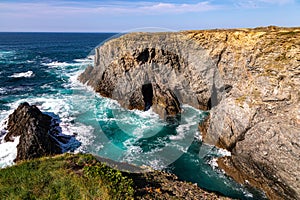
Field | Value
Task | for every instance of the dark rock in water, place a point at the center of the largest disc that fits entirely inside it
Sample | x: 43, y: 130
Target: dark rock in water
x: 39, y: 133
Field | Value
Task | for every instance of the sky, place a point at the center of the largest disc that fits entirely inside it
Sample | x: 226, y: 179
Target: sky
x: 123, y: 16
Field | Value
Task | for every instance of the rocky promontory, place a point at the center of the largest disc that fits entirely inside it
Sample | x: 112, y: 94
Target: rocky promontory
x: 249, y: 80
x: 39, y: 133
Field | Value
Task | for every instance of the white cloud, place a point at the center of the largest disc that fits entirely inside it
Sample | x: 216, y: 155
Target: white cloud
x: 180, y: 8
x: 114, y: 8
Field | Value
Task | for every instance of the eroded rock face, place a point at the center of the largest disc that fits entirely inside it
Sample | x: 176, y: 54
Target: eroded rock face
x: 257, y: 120
x: 249, y: 79
x: 166, y: 61
x: 39, y: 136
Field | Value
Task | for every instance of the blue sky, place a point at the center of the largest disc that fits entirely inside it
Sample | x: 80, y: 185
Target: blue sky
x: 119, y: 16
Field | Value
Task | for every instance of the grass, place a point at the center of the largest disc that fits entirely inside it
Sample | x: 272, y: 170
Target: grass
x: 64, y: 177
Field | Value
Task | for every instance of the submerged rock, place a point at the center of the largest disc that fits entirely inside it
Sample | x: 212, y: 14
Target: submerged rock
x: 39, y: 133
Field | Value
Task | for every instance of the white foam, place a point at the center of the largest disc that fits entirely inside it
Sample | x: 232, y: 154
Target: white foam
x: 58, y: 106
x: 156, y: 164
x: 223, y: 152
x: 198, y: 136
x: 8, y: 152
x: 73, y: 80
x: 181, y: 131
x: 2, y: 91
x: 84, y: 60
x: 65, y: 107
x: 27, y: 74
x: 213, y: 163
x: 56, y: 64
x: 3, y: 124
x: 84, y: 134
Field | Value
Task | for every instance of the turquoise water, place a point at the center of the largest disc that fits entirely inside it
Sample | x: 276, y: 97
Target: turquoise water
x: 41, y: 68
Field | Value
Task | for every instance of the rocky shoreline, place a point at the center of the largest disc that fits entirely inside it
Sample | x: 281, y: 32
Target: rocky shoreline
x: 249, y: 79
x: 40, y: 138
x: 39, y: 133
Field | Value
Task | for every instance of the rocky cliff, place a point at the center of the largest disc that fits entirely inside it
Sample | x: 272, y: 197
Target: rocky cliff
x: 249, y: 79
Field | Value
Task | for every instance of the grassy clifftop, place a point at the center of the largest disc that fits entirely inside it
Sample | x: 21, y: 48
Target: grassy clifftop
x: 64, y: 177
x: 82, y: 176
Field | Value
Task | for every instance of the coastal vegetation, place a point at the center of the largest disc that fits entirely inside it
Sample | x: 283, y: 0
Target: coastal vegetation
x: 68, y: 176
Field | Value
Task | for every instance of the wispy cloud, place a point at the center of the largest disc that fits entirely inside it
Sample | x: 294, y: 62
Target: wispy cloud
x: 261, y: 3
x: 95, y: 15
x: 114, y: 8
x: 280, y: 2
x: 180, y: 8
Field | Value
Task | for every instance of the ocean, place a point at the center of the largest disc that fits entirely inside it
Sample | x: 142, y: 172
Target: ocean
x: 42, y: 69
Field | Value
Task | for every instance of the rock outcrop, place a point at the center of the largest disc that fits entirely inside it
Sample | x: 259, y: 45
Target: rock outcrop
x: 249, y: 79
x: 153, y: 184
x: 163, y: 65
x: 39, y: 133
x: 258, y: 120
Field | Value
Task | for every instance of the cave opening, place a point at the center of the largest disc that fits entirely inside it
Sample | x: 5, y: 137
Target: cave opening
x: 147, y: 92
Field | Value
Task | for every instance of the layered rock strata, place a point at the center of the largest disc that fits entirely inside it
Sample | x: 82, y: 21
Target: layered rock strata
x: 249, y: 79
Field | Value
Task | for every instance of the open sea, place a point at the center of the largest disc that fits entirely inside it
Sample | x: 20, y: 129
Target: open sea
x: 42, y: 69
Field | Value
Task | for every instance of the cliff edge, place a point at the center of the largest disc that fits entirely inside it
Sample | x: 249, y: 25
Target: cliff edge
x: 249, y: 79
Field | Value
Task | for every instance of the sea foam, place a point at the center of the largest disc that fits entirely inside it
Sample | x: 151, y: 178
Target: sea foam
x: 27, y: 74
x: 8, y: 152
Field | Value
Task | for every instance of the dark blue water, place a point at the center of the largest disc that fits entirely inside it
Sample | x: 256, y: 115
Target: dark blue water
x: 42, y: 68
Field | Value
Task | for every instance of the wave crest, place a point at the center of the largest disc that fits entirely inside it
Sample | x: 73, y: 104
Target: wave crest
x: 27, y: 74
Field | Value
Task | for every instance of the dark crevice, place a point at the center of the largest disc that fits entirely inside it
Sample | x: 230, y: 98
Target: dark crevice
x: 144, y: 56
x: 147, y: 92
x: 209, y: 104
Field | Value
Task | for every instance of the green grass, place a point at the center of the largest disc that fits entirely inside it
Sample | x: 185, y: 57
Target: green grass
x: 64, y: 177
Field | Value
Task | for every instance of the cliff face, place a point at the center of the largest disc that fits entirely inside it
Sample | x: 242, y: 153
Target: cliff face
x: 259, y: 119
x: 249, y: 79
x: 163, y: 64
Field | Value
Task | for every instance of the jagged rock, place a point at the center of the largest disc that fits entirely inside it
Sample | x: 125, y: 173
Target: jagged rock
x: 39, y: 133
x: 247, y: 78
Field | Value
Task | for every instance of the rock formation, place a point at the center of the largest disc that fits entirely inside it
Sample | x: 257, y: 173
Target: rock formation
x: 258, y: 120
x: 126, y: 66
x: 39, y: 133
x: 249, y: 79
